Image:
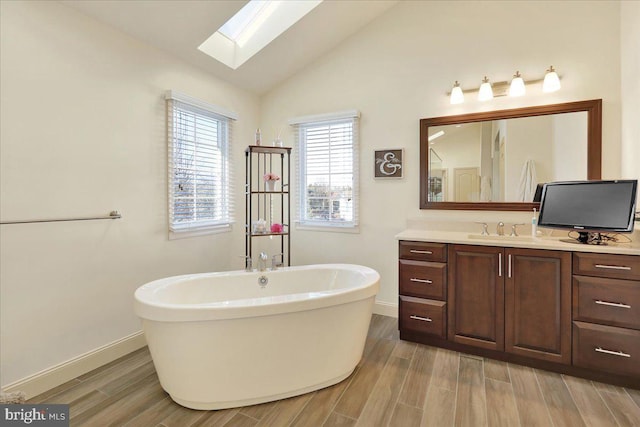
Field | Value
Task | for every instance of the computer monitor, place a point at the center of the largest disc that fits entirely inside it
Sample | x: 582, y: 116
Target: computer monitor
x: 589, y: 206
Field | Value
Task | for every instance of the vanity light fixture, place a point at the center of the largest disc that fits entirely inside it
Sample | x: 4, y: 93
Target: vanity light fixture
x: 457, y: 97
x: 551, y: 81
x: 485, y: 93
x: 517, y: 85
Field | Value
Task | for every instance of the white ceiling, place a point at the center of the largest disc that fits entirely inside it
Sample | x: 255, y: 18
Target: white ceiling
x: 180, y: 26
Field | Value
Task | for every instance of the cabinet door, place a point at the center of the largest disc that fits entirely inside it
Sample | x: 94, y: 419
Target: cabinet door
x: 538, y: 304
x: 476, y: 296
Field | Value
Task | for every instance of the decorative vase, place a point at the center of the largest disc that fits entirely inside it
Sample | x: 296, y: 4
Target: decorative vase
x: 270, y: 185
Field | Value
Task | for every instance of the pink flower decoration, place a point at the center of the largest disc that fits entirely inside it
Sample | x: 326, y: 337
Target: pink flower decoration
x: 276, y: 228
x: 270, y: 177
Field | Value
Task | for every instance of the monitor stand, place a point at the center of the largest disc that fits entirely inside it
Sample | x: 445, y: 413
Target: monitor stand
x: 587, y: 238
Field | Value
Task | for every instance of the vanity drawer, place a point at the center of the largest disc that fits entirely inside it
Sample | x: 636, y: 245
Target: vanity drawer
x: 423, y: 315
x: 607, y: 265
x: 422, y: 251
x: 606, y: 348
x: 610, y: 301
x: 423, y: 279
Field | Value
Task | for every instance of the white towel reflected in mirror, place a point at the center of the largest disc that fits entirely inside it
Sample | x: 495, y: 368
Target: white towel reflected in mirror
x: 528, y: 182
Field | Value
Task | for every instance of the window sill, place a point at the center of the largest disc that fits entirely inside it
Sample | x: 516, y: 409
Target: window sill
x: 187, y: 233
x: 328, y: 228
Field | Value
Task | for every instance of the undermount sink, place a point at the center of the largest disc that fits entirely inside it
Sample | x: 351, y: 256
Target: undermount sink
x: 505, y: 237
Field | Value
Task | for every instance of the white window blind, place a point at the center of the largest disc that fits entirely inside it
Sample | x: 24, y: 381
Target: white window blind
x: 199, y: 140
x: 328, y: 170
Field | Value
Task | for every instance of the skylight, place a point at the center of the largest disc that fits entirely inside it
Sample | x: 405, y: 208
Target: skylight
x: 247, y: 16
x: 256, y: 25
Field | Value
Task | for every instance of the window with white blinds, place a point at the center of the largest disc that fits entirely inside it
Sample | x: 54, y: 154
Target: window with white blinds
x: 199, y: 136
x: 328, y: 170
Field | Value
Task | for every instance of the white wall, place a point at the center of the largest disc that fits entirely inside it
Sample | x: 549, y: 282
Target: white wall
x: 630, y: 69
x: 569, y: 147
x: 84, y: 132
x: 528, y: 138
x: 398, y: 70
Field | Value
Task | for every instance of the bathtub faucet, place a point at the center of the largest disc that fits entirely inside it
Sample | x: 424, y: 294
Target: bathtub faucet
x: 248, y: 267
x: 274, y: 263
x: 262, y: 261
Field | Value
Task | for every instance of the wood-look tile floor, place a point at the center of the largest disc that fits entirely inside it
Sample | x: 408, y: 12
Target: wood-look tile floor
x: 397, y: 383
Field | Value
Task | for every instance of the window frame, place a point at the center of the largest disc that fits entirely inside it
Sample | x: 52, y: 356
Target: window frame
x: 301, y: 124
x: 178, y: 101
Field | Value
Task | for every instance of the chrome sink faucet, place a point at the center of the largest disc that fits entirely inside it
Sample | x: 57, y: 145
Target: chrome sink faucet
x: 485, y: 231
x: 262, y: 261
x: 500, y: 229
x: 514, y: 230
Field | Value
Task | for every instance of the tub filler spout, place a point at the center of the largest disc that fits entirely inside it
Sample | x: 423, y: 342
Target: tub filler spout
x: 262, y: 261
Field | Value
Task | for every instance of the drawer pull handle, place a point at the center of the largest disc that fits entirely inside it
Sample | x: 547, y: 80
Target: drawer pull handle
x: 614, y: 353
x: 613, y: 267
x: 612, y: 304
x: 416, y: 251
x: 413, y: 279
x: 424, y: 319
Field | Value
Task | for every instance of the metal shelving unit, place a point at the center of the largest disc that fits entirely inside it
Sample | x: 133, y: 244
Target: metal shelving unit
x: 262, y: 204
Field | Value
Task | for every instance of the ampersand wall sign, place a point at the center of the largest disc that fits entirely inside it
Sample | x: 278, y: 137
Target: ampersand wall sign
x: 388, y: 164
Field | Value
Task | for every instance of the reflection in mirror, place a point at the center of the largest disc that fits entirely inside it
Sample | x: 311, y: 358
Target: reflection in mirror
x: 504, y: 160
x: 494, y: 160
x: 437, y: 178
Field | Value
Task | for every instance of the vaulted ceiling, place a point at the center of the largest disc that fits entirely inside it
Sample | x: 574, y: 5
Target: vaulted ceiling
x: 180, y: 26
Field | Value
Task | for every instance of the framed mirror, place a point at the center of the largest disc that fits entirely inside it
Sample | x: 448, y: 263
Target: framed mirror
x: 494, y: 160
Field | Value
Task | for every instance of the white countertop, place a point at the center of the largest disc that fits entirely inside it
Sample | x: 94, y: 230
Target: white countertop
x: 541, y: 242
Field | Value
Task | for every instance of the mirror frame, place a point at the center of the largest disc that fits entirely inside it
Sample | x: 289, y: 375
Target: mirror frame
x: 594, y: 148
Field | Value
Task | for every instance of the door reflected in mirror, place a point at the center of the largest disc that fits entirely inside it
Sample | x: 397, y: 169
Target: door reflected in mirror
x: 504, y: 160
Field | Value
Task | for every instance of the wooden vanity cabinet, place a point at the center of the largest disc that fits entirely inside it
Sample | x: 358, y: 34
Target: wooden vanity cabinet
x: 606, y: 313
x: 510, y: 299
x: 422, y: 288
x: 564, y: 311
x: 476, y: 296
x: 538, y: 304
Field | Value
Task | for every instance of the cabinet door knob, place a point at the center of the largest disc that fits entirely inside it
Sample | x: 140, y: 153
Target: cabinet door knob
x: 612, y: 304
x: 424, y: 319
x: 611, y: 352
x: 413, y: 279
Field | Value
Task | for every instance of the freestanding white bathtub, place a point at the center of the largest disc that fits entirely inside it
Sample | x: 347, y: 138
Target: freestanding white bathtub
x: 222, y: 340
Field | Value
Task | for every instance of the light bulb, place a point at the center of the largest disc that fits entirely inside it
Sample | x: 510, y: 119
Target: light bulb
x: 517, y: 85
x: 551, y: 81
x: 485, y: 93
x: 457, y: 97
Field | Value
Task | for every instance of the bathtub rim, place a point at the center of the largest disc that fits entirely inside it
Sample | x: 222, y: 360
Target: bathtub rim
x: 150, y: 310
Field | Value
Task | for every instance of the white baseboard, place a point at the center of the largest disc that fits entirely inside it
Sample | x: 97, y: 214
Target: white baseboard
x: 47, y: 379
x: 385, y: 309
